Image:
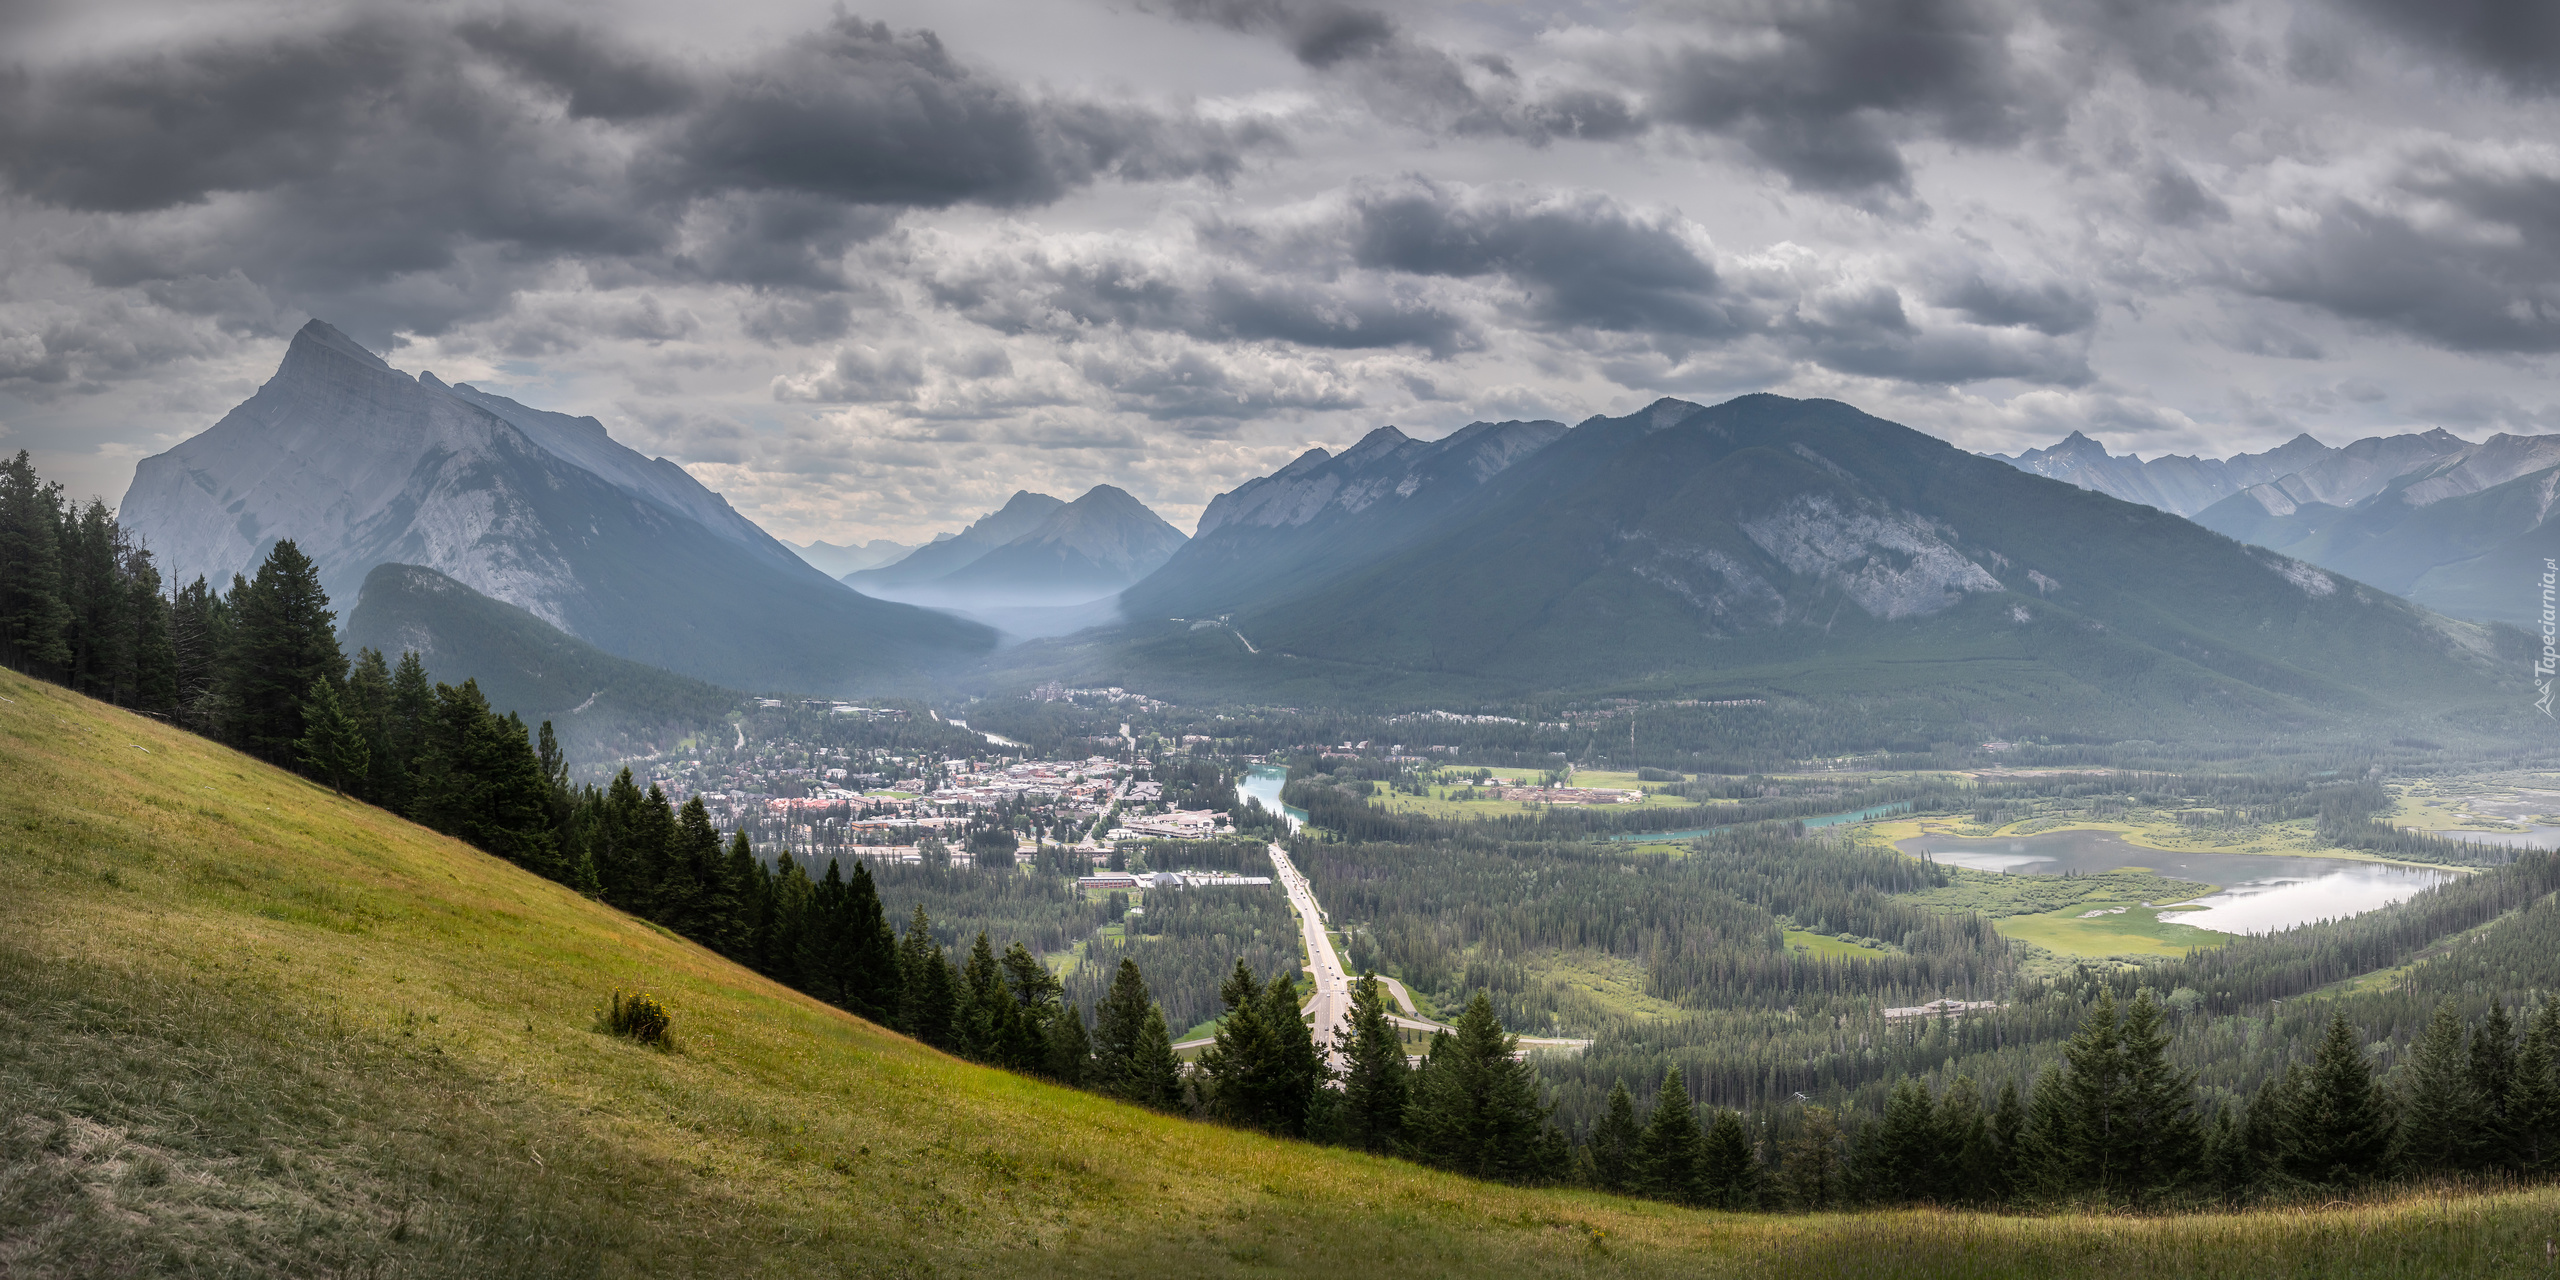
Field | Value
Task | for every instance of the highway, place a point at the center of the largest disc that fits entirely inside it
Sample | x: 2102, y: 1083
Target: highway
x: 1330, y: 1011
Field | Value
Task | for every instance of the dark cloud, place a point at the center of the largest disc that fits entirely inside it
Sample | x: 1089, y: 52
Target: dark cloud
x: 1825, y: 92
x: 2516, y: 40
x: 401, y: 173
x: 2053, y: 308
x: 2461, y: 249
x: 1584, y: 260
x: 1224, y: 305
x: 864, y: 114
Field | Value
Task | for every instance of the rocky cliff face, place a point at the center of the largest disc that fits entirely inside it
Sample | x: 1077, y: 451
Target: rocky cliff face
x: 361, y: 465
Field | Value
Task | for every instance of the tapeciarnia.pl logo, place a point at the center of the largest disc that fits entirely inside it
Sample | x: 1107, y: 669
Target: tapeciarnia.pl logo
x: 2545, y: 666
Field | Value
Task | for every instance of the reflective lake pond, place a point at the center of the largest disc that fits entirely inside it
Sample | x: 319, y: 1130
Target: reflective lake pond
x: 2258, y: 893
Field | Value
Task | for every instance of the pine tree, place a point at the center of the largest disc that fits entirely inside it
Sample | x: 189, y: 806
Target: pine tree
x: 1376, y: 1083
x: 2534, y: 1114
x: 2092, y: 1084
x: 2049, y: 1164
x: 2440, y: 1109
x: 283, y: 638
x: 1155, y: 1074
x: 154, y: 681
x: 2493, y: 1080
x: 199, y: 633
x: 1024, y: 1041
x: 1615, y: 1143
x: 1477, y: 1109
x: 1070, y: 1048
x: 1970, y: 1163
x: 1729, y: 1170
x: 789, y: 917
x: 93, y: 587
x: 332, y: 746
x: 751, y: 888
x: 1669, y: 1153
x: 2008, y: 1137
x: 2338, y: 1124
x: 1810, y: 1168
x: 824, y: 957
x: 368, y: 703
x: 2157, y: 1141
x: 33, y: 615
x: 983, y: 1010
x: 2226, y: 1158
x: 2262, y: 1131
x: 1118, y: 1022
x: 925, y: 997
x: 1261, y: 1071
x: 872, y: 979
x: 1899, y: 1162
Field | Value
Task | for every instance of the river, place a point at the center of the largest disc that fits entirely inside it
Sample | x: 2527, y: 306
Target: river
x: 1263, y: 782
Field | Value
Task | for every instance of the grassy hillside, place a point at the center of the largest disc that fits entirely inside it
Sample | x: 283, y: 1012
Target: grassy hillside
x: 249, y: 1028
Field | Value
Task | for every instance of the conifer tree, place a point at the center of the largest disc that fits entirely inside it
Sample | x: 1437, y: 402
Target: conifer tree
x: 1809, y: 1171
x: 2440, y: 1109
x: 1477, y: 1109
x: 750, y: 887
x: 1155, y: 1074
x: 925, y: 999
x: 155, y: 659
x: 283, y: 638
x: 2226, y: 1158
x: 1376, y: 1083
x: 1024, y: 1039
x: 2049, y: 1164
x: 100, y: 633
x: 199, y: 633
x: 33, y: 617
x: 2008, y: 1136
x: 1669, y: 1153
x: 1728, y: 1169
x: 1118, y: 1023
x: 2338, y: 1124
x: 872, y: 974
x: 982, y: 1010
x: 1261, y: 1071
x: 2262, y: 1132
x: 2493, y: 1079
x: 1969, y: 1161
x: 2157, y: 1140
x: 2534, y: 1113
x: 368, y: 703
x: 2092, y: 1084
x: 1070, y: 1048
x: 788, y: 916
x: 1615, y: 1143
x: 1898, y: 1162
x: 332, y: 746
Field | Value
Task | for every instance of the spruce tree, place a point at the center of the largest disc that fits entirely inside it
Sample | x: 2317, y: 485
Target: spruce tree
x: 93, y: 588
x: 1669, y: 1153
x: 2440, y: 1108
x: 2493, y: 1079
x: 1118, y: 1023
x: 1615, y: 1143
x: 2225, y: 1171
x: 155, y: 658
x: 1809, y: 1169
x: 872, y: 978
x: 1477, y: 1109
x: 199, y: 633
x: 2534, y: 1112
x: 2092, y: 1083
x: 2338, y: 1124
x: 924, y: 984
x: 368, y: 702
x: 283, y: 638
x: 1035, y: 992
x: 790, y: 917
x: 412, y: 707
x: 1376, y: 1083
x: 2157, y: 1142
x: 2008, y: 1136
x: 983, y: 1010
x: 332, y: 747
x: 750, y: 887
x: 2262, y: 1132
x: 1899, y: 1162
x: 1969, y: 1164
x: 2049, y: 1164
x: 1728, y: 1169
x: 33, y: 615
x: 1155, y: 1074
x: 1070, y: 1048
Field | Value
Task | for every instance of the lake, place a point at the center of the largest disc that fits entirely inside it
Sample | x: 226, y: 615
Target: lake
x: 2259, y: 893
x: 1263, y: 782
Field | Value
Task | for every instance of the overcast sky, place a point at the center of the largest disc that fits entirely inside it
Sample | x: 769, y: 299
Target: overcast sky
x: 867, y: 270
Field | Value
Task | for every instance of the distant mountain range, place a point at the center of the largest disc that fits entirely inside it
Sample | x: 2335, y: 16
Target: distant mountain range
x: 362, y: 465
x: 835, y: 561
x: 524, y: 664
x: 1034, y: 552
x: 1765, y: 544
x: 2461, y: 528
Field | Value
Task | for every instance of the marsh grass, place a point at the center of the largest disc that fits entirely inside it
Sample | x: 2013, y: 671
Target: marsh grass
x: 249, y: 1028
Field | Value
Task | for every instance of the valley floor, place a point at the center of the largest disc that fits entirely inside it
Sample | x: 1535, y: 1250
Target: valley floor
x: 249, y: 1028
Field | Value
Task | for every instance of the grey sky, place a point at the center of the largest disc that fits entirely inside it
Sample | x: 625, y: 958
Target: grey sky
x: 868, y: 271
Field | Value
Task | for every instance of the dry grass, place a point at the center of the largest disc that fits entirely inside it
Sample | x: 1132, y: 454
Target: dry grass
x: 247, y: 1028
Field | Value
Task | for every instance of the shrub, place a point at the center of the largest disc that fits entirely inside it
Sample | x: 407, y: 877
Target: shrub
x: 637, y: 1016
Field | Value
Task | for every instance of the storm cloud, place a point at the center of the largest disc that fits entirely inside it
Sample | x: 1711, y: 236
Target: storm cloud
x: 870, y: 270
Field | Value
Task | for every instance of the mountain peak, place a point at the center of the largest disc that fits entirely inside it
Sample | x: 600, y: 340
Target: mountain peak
x: 321, y: 336
x: 1315, y: 457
